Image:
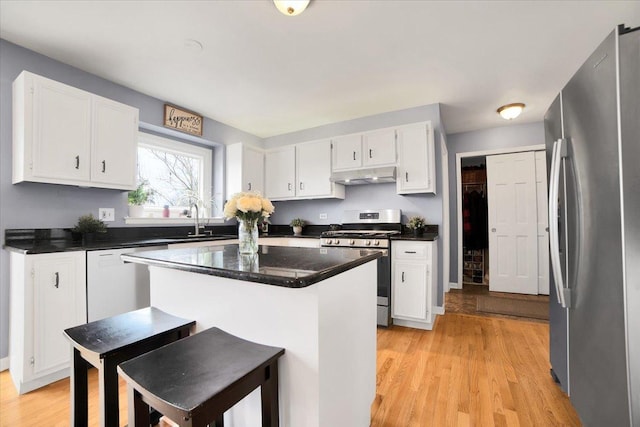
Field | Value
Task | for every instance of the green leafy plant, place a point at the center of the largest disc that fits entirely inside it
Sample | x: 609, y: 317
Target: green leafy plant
x: 416, y: 222
x: 89, y: 224
x: 297, y: 222
x: 140, y: 195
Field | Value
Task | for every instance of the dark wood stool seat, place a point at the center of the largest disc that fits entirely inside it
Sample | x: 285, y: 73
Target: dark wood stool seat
x: 195, y: 380
x: 108, y: 342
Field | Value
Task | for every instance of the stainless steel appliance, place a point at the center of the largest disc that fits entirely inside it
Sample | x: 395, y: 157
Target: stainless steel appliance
x: 593, y: 144
x: 370, y: 229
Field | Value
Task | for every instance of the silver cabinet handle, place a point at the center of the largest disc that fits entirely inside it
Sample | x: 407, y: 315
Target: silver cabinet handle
x: 289, y: 186
x: 370, y: 153
x: 409, y: 252
x: 77, y: 162
x: 249, y: 186
x: 301, y: 185
x: 406, y: 176
x: 104, y: 166
x: 354, y: 155
x: 403, y: 277
x: 57, y: 283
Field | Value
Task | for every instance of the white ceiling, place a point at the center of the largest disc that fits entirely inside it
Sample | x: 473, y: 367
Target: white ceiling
x: 269, y: 74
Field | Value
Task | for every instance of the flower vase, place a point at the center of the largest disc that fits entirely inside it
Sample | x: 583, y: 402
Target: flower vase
x: 248, y: 237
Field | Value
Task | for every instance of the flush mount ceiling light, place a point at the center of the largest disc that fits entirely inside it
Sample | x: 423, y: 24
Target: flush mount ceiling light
x: 291, y: 7
x: 511, y: 111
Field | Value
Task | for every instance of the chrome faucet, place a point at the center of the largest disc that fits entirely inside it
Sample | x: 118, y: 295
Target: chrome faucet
x: 197, y: 220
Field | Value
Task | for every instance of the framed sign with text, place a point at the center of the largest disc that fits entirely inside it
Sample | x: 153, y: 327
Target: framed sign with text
x: 182, y: 120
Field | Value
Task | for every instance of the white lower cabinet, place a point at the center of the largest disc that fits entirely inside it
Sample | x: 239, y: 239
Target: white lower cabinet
x: 413, y: 286
x: 48, y: 295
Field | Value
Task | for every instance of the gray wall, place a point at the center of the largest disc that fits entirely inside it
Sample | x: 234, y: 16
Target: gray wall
x: 373, y: 196
x: 33, y: 205
x: 487, y: 139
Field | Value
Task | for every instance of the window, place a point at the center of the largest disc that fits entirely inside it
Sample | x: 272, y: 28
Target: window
x: 177, y: 175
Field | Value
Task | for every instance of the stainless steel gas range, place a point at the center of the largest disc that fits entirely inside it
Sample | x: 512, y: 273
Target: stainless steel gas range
x: 370, y: 229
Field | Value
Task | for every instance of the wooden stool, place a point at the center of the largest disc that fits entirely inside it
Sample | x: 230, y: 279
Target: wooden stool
x: 195, y: 380
x: 106, y: 343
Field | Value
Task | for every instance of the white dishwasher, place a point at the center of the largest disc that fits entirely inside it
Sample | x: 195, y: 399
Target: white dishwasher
x: 114, y: 287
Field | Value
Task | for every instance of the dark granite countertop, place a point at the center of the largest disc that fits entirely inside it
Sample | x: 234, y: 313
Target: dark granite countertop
x: 425, y: 237
x: 273, y: 265
x: 42, y: 241
x: 61, y: 245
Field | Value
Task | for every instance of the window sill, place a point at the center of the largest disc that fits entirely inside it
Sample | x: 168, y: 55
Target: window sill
x: 172, y: 221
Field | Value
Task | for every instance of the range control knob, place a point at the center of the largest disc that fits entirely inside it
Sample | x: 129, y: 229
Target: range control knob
x: 368, y: 243
x: 329, y: 241
x: 337, y: 242
x: 352, y: 242
x: 376, y: 242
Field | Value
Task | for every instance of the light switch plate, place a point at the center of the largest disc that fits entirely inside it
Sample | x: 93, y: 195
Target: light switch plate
x: 323, y: 216
x: 107, y: 214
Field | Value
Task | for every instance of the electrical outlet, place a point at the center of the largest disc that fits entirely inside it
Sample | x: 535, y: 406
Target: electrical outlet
x: 323, y: 216
x: 107, y: 214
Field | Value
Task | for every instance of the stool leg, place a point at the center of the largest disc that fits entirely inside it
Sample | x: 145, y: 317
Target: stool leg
x: 108, y: 386
x: 79, y: 390
x: 138, y: 410
x: 269, y: 397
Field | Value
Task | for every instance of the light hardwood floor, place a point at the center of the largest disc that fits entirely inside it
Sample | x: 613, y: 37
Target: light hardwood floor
x: 468, y: 371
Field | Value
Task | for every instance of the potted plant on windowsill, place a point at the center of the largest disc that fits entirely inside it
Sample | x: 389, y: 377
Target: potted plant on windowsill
x: 417, y: 224
x: 88, y: 226
x: 297, y: 225
x: 137, y: 198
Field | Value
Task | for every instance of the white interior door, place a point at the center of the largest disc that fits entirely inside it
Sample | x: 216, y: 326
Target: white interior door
x: 513, y: 223
x: 543, y: 222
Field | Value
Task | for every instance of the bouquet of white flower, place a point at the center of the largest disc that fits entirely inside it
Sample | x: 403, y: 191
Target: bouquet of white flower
x: 248, y: 207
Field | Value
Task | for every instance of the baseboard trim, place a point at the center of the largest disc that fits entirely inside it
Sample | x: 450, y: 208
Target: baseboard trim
x: 453, y: 285
x: 4, y: 363
x: 438, y: 310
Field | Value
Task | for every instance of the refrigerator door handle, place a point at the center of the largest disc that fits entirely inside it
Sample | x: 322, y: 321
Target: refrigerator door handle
x: 554, y: 237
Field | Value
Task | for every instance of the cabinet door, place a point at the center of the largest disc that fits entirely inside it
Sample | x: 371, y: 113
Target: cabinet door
x: 61, y: 131
x: 313, y: 169
x: 347, y: 152
x: 253, y: 170
x: 280, y: 173
x: 409, y: 290
x: 114, y: 144
x: 379, y: 147
x: 416, y: 159
x: 59, y: 302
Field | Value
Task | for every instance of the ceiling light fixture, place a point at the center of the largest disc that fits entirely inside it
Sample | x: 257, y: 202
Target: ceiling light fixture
x: 291, y: 7
x: 511, y: 111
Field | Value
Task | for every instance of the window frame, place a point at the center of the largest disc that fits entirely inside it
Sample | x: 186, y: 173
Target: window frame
x: 175, y: 146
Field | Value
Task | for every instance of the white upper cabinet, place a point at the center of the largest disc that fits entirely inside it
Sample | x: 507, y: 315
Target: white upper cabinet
x: 62, y: 135
x: 375, y: 148
x: 280, y: 173
x: 379, y: 147
x: 301, y: 171
x: 313, y: 169
x: 347, y: 152
x: 245, y: 169
x: 115, y: 126
x: 416, y: 159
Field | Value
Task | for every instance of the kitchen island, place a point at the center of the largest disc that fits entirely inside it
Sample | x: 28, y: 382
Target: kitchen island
x: 317, y: 303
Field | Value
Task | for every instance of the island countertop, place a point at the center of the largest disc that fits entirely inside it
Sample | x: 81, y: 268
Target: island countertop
x: 272, y: 265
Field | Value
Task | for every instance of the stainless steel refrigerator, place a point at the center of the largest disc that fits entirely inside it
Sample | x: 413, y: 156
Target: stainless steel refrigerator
x: 593, y: 149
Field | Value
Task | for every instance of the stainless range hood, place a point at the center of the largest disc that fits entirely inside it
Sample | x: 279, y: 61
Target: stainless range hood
x: 365, y: 176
